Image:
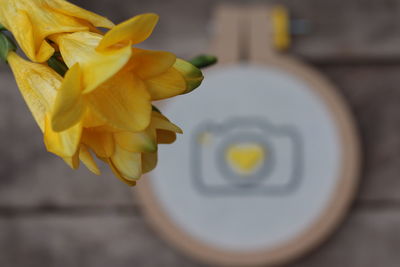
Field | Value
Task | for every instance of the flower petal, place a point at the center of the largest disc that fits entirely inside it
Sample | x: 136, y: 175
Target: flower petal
x: 86, y: 157
x: 36, y: 49
x: 137, y: 141
x: 122, y: 102
x: 91, y: 120
x: 119, y: 175
x: 102, y: 143
x: 73, y: 161
x: 96, y: 67
x: 192, y: 75
x: 160, y: 122
x: 135, y: 30
x: 44, y: 53
x: 149, y: 161
x: 75, y: 11
x: 148, y: 64
x: 68, y: 107
x: 168, y: 84
x: 38, y: 85
x: 165, y: 137
x: 129, y: 164
x: 63, y: 144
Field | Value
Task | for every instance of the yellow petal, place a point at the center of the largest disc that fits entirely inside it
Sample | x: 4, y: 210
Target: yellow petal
x: 86, y: 157
x: 96, y: 67
x: 36, y: 48
x: 129, y: 164
x: 149, y: 161
x: 32, y: 22
x: 119, y: 175
x: 63, y: 144
x: 38, y: 85
x: 168, y: 84
x: 103, y: 68
x: 73, y: 161
x: 122, y: 102
x: 91, y: 120
x: 148, y: 64
x: 160, y: 122
x: 137, y: 141
x: 192, y: 75
x: 106, y: 128
x: 134, y: 30
x: 165, y: 137
x: 69, y: 107
x: 44, y: 53
x: 102, y: 143
x: 75, y: 11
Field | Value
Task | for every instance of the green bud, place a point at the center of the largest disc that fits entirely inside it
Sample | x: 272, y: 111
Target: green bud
x: 56, y: 63
x: 192, y: 75
x: 204, y: 61
x: 2, y: 28
x: 6, y: 45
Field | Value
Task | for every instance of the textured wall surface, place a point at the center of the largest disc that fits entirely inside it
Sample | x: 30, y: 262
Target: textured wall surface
x: 52, y: 216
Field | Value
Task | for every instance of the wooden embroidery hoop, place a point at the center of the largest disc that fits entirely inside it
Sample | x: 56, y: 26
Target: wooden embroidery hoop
x: 233, y: 25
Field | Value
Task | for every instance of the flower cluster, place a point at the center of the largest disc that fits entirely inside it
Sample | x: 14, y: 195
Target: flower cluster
x: 102, y: 105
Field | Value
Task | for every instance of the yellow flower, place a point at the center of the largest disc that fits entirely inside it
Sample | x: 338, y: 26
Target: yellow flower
x: 32, y: 21
x: 103, y: 104
x: 38, y: 85
x: 115, y: 81
x: 129, y: 154
x: 136, y: 152
x: 122, y: 102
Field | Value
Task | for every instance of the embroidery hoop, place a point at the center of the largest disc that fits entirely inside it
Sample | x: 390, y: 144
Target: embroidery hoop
x: 228, y: 46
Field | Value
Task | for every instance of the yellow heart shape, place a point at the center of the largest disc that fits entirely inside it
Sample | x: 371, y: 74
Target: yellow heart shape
x: 245, y: 158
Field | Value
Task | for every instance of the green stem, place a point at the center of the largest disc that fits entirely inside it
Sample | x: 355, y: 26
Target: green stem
x: 204, y: 61
x: 6, y: 45
x: 57, y: 64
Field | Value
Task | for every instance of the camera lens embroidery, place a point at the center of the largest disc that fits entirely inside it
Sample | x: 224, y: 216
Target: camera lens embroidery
x: 246, y: 155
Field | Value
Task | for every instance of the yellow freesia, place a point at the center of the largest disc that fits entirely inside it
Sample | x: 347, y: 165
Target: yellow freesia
x: 118, y: 82
x: 129, y: 154
x: 136, y: 153
x: 33, y: 21
x: 38, y: 85
x: 103, y: 105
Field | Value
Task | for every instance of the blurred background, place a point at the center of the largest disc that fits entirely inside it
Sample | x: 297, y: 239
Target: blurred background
x: 52, y: 216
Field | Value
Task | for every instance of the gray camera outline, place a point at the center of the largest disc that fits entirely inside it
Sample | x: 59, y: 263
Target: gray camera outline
x: 233, y: 188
